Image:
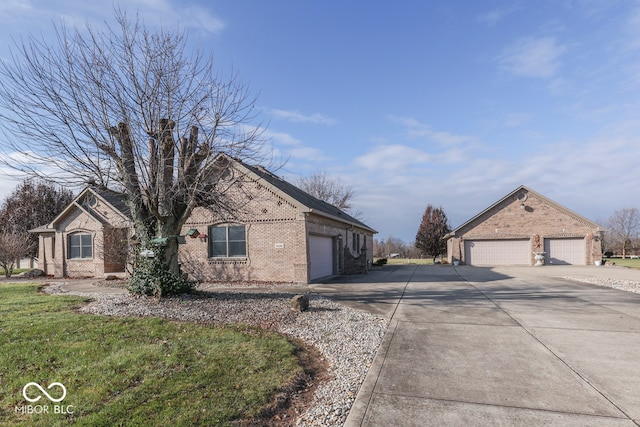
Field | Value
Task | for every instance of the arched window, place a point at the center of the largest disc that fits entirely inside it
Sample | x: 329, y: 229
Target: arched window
x: 80, y: 245
x: 227, y: 241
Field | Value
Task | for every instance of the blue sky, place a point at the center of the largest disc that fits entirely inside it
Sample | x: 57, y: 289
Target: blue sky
x: 452, y: 103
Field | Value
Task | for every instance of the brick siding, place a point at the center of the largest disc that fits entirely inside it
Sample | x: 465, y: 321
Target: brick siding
x: 537, y: 220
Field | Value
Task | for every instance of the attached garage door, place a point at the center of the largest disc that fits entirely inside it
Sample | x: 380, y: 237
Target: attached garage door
x: 565, y: 251
x: 497, y: 252
x: 320, y: 256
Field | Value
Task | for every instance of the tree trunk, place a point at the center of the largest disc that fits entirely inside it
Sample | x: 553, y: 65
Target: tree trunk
x: 171, y: 230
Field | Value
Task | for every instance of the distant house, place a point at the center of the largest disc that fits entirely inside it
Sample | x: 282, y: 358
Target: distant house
x: 521, y: 223
x: 277, y: 233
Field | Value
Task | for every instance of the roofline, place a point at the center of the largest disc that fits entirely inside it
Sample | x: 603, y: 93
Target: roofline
x: 43, y: 229
x: 353, y: 224
x: 122, y: 215
x: 536, y: 194
x: 75, y: 204
x: 69, y: 206
x: 293, y: 201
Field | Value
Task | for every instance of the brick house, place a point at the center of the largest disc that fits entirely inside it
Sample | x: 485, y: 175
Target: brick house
x: 521, y: 223
x: 73, y: 244
x: 275, y: 232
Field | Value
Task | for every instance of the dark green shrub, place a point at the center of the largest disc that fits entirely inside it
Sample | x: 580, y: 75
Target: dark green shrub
x: 152, y: 277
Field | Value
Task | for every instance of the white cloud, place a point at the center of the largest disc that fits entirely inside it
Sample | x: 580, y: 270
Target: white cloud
x: 392, y: 158
x: 308, y: 153
x: 533, y: 57
x: 10, y: 8
x: 394, y: 183
x: 288, y: 146
x: 76, y: 13
x: 492, y: 17
x: 282, y: 138
x: 298, y: 117
x: 416, y: 129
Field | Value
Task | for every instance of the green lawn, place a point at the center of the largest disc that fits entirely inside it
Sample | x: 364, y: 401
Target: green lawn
x: 401, y: 261
x: 131, y: 371
x: 631, y: 263
x: 14, y: 272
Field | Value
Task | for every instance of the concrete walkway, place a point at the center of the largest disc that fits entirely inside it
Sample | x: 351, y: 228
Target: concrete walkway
x: 504, y: 346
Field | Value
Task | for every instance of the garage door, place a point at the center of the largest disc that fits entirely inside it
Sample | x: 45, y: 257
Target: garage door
x: 497, y: 252
x: 565, y: 251
x: 320, y: 256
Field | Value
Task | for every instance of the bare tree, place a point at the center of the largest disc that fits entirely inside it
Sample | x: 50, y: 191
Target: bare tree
x: 14, y: 245
x: 328, y: 189
x: 127, y: 107
x: 384, y: 248
x: 433, y: 228
x: 624, y: 227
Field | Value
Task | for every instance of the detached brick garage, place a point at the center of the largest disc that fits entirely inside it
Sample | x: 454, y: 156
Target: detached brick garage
x: 521, y: 223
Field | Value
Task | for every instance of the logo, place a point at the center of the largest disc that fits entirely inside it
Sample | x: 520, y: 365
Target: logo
x: 43, y: 391
x: 59, y: 393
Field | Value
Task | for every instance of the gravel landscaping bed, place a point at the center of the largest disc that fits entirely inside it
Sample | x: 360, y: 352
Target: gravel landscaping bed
x: 625, y: 285
x: 347, y: 338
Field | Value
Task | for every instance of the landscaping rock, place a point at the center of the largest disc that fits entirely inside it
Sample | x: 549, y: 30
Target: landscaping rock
x: 299, y: 303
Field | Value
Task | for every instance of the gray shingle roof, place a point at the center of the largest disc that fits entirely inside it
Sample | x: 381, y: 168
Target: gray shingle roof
x: 304, y: 198
x: 114, y: 198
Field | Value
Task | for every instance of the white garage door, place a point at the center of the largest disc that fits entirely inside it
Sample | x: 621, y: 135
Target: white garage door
x: 565, y: 251
x: 497, y: 252
x: 320, y: 256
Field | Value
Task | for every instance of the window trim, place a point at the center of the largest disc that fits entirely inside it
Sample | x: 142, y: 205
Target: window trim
x: 82, y: 247
x: 227, y: 241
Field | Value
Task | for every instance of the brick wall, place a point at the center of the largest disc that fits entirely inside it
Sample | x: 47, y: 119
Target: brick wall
x: 276, y: 233
x: 276, y: 249
x: 53, y: 246
x: 536, y: 221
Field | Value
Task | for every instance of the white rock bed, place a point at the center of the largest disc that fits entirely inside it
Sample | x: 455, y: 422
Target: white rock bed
x: 347, y: 338
x: 625, y: 285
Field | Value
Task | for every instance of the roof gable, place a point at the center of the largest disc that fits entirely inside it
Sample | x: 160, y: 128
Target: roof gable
x: 517, y: 195
x: 113, y: 199
x: 289, y: 192
x: 301, y: 198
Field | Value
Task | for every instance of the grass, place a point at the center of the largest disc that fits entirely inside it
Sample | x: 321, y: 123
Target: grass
x: 401, y: 261
x: 631, y: 263
x: 132, y: 371
x: 14, y: 272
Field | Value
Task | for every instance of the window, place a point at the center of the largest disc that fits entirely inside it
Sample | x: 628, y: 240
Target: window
x: 228, y: 241
x: 80, y: 245
x: 355, y: 243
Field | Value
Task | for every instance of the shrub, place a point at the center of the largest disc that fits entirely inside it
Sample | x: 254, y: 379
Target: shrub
x: 151, y: 277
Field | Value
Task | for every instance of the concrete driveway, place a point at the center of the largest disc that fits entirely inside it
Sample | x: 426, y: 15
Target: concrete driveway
x: 498, y: 346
